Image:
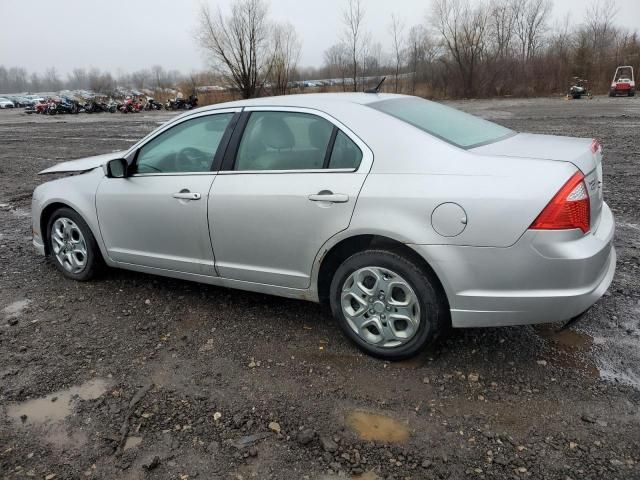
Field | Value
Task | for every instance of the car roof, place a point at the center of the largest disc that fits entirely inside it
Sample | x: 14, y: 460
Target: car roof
x: 308, y: 100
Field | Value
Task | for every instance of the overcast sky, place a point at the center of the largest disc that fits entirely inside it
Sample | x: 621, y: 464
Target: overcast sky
x: 127, y: 35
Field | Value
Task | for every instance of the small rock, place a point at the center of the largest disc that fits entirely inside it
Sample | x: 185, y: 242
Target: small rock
x: 252, y: 364
x: 274, y: 427
x: 51, y: 476
x: 473, y: 377
x: 426, y: 464
x: 585, y: 417
x: 542, y: 363
x: 573, y: 445
x: 425, y: 380
x: 152, y: 463
x: 306, y: 436
x: 12, y: 321
x: 147, y: 302
x: 521, y: 470
x: 328, y: 445
x: 217, y: 416
x: 253, y: 452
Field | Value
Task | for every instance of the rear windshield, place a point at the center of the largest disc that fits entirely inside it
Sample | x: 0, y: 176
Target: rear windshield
x: 446, y: 123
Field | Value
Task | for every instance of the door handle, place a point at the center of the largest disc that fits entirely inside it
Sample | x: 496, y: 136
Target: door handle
x: 329, y: 197
x: 187, y: 196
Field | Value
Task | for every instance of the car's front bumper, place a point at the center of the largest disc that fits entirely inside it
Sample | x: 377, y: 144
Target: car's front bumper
x: 547, y: 276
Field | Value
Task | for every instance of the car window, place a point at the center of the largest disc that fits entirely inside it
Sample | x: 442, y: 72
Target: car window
x: 446, y: 123
x: 188, y: 147
x: 345, y: 154
x: 283, y: 141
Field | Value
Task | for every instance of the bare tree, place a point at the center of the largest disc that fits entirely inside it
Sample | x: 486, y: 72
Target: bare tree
x: 238, y: 43
x: 353, y: 19
x: 51, y: 78
x: 336, y: 60
x: 463, y: 32
x: 396, y: 28
x: 286, y: 54
x: 531, y: 17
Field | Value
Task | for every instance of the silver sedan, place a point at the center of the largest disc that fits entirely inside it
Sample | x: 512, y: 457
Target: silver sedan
x: 403, y: 215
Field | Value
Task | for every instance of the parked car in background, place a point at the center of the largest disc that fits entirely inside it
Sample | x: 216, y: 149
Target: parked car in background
x: 6, y: 103
x: 403, y: 215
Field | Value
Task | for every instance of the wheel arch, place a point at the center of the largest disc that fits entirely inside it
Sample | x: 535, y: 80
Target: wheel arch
x: 45, y: 216
x: 357, y: 243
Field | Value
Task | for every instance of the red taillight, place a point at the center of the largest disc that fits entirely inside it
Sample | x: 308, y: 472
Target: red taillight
x: 595, y: 146
x: 569, y: 209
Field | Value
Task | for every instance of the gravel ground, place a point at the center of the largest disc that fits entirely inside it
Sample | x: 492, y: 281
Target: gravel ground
x: 134, y: 377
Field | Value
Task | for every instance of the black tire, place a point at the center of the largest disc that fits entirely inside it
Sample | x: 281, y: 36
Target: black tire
x: 93, y: 258
x: 434, y: 314
x: 612, y: 94
x: 632, y: 93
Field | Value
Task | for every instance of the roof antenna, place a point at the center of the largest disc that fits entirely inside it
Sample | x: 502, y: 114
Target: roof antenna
x: 377, y: 89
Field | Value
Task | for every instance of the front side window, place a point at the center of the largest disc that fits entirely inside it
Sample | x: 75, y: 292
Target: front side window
x: 188, y: 147
x: 283, y: 141
x: 451, y: 125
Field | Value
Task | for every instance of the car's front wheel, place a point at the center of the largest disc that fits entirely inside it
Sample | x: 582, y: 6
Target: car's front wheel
x: 386, y: 305
x: 72, y: 246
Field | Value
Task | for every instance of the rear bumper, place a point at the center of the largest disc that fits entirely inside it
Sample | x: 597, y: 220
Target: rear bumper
x: 547, y: 276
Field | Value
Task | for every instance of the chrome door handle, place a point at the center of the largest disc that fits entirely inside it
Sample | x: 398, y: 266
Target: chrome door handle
x: 187, y: 196
x: 329, y: 197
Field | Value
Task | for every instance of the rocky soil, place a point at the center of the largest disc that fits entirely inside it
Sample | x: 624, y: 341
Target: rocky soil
x: 140, y: 377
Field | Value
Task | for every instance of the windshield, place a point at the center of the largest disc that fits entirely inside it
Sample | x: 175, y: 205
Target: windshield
x: 446, y: 123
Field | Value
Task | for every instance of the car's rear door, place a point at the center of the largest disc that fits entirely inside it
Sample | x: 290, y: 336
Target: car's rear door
x: 289, y: 182
x: 157, y: 216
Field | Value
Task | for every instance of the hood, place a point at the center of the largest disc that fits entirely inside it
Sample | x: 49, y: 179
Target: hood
x: 83, y: 164
x: 544, y: 147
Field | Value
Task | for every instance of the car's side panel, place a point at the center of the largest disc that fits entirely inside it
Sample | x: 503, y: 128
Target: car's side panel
x: 143, y: 223
x: 265, y: 229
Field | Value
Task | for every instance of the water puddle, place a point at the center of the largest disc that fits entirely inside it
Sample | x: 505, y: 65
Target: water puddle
x: 566, y: 340
x: 378, y: 428
x: 55, y: 407
x: 571, y: 343
x: 16, y: 308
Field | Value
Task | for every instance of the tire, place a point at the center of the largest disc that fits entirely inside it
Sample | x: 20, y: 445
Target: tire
x: 91, y: 258
x: 425, y: 305
x: 632, y: 93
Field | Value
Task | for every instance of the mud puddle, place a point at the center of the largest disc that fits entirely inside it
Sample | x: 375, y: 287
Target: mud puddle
x: 571, y: 344
x: 378, y: 428
x: 55, y: 407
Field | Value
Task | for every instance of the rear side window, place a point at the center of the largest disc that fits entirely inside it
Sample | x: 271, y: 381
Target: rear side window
x: 448, y: 124
x: 345, y: 154
x: 283, y: 141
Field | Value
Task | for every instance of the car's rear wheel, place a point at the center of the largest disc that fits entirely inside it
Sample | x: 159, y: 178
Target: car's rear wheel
x: 72, y: 246
x: 386, y: 305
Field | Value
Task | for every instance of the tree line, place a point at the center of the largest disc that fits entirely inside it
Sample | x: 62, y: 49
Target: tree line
x: 458, y: 48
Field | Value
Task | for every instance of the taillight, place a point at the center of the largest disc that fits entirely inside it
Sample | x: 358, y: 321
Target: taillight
x: 569, y: 209
x: 595, y: 146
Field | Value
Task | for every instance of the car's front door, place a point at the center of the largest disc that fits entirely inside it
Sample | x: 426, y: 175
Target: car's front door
x: 289, y: 182
x: 157, y: 216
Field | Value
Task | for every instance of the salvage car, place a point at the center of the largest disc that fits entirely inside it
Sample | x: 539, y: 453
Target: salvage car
x: 403, y: 215
x: 6, y: 103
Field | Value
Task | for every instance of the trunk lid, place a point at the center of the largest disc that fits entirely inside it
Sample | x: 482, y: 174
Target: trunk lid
x: 577, y: 151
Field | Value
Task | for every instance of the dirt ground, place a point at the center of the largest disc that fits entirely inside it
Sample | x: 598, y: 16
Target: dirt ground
x: 133, y: 376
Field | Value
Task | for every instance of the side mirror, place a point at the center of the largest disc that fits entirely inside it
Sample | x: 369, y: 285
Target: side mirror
x: 116, y: 168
